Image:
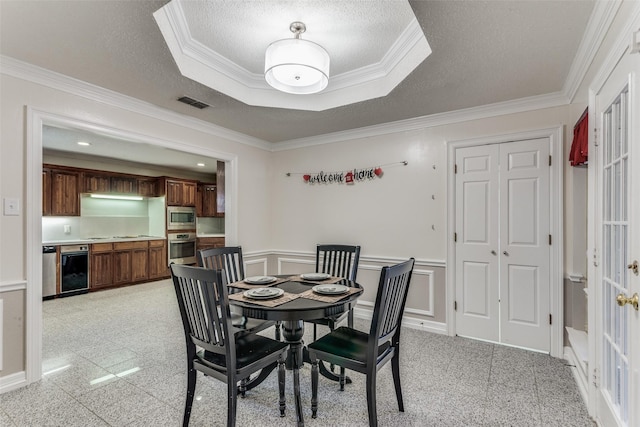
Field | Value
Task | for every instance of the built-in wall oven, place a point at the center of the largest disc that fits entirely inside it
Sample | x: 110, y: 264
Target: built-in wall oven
x: 181, y: 218
x: 182, y: 248
x: 74, y: 269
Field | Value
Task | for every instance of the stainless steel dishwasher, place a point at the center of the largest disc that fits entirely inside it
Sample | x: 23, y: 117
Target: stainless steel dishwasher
x: 48, y: 271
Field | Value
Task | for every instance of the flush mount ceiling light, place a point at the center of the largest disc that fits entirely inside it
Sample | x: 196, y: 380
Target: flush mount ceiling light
x: 296, y: 66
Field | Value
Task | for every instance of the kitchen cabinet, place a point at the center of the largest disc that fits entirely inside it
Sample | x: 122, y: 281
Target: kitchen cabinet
x: 148, y: 187
x: 130, y: 261
x: 122, y: 263
x: 209, y: 242
x: 158, y: 268
x: 64, y: 192
x: 124, y: 184
x: 101, y: 265
x: 46, y: 192
x: 180, y: 193
x: 95, y: 182
x: 206, y: 204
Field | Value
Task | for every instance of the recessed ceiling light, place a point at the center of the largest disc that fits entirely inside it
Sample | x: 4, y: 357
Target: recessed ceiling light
x: 200, y: 164
x: 84, y: 144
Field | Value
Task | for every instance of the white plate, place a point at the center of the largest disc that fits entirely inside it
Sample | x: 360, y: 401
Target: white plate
x: 260, y: 280
x: 315, y: 276
x: 330, y: 289
x: 263, y: 293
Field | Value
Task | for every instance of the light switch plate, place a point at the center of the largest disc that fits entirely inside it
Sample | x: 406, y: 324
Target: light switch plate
x: 11, y: 206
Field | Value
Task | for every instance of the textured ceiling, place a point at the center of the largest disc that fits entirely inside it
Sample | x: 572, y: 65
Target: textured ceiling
x: 483, y: 52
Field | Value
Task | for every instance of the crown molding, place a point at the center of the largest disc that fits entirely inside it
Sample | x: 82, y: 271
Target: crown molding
x: 599, y: 23
x: 208, y: 67
x: 28, y: 72
x: 485, y: 111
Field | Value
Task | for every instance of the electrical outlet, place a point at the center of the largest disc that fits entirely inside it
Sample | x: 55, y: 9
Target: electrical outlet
x: 67, y: 229
x: 11, y: 207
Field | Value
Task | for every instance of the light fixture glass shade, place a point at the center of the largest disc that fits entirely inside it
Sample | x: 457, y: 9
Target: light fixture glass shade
x: 296, y: 66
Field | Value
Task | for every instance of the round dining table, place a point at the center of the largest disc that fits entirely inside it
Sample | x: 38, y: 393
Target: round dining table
x: 292, y: 315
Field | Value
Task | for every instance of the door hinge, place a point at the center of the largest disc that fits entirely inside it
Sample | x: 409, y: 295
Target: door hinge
x: 549, y: 239
x: 455, y: 168
x: 596, y: 378
x: 595, y: 137
x: 455, y: 306
x: 549, y: 160
x: 550, y: 320
x: 455, y: 237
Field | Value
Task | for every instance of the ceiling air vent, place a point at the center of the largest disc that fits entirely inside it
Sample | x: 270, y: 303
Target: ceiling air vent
x: 193, y: 102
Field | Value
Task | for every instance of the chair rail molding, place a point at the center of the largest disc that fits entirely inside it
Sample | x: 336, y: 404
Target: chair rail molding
x: 16, y: 285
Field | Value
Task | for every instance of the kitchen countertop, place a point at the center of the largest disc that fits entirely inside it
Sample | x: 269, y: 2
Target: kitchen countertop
x: 210, y: 235
x: 87, y: 241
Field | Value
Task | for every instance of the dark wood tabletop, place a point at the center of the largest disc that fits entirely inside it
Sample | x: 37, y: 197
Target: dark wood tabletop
x: 300, y: 308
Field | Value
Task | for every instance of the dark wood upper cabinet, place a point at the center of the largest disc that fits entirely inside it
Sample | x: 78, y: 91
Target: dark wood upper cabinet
x: 148, y: 187
x: 65, y: 193
x: 180, y: 193
x: 206, y: 203
x: 96, y: 183
x: 46, y: 192
x: 124, y: 185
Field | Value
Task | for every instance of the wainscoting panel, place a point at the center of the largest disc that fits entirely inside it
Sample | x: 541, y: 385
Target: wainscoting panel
x: 256, y: 267
x: 425, y: 307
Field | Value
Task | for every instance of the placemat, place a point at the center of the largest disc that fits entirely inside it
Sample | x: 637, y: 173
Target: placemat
x: 286, y: 297
x: 243, y: 285
x: 330, y: 280
x: 328, y: 298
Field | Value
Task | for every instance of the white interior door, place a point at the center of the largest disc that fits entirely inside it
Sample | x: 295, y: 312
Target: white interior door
x: 477, y: 311
x: 524, y: 244
x: 502, y: 249
x: 618, y: 228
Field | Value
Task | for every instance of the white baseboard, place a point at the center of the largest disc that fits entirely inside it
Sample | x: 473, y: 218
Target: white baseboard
x: 13, y: 381
x: 407, y: 321
x: 581, y: 379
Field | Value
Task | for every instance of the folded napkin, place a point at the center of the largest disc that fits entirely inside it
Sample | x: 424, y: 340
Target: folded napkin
x: 244, y: 285
x: 273, y: 302
x: 310, y: 294
x: 332, y: 279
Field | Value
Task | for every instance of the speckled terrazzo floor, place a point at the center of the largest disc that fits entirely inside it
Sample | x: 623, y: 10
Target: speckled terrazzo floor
x: 116, y: 358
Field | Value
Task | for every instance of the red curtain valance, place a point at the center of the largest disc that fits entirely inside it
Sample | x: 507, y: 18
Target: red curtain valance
x: 580, y: 145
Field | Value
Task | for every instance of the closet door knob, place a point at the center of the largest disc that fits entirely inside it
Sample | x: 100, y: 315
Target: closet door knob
x: 506, y: 253
x: 493, y: 252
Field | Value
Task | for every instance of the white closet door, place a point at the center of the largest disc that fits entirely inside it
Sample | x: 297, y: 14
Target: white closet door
x: 524, y: 244
x: 502, y: 249
x: 477, y: 313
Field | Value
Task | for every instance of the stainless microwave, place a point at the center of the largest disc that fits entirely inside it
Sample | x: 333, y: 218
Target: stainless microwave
x: 181, y: 218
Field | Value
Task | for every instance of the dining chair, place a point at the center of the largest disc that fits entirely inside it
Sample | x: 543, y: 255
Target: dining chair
x: 229, y: 259
x: 339, y: 261
x: 212, y: 346
x: 368, y: 352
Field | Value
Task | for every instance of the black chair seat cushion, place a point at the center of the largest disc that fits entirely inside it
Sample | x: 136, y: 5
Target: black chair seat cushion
x: 249, y: 349
x: 346, y: 343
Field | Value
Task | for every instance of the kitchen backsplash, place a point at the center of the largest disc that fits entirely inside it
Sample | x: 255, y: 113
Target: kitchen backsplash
x: 108, y: 218
x: 206, y: 226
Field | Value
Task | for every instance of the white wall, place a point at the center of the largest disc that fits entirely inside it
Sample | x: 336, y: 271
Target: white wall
x: 253, y: 192
x: 402, y: 214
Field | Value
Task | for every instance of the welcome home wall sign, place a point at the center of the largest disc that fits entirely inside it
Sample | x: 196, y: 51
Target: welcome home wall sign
x: 348, y: 177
